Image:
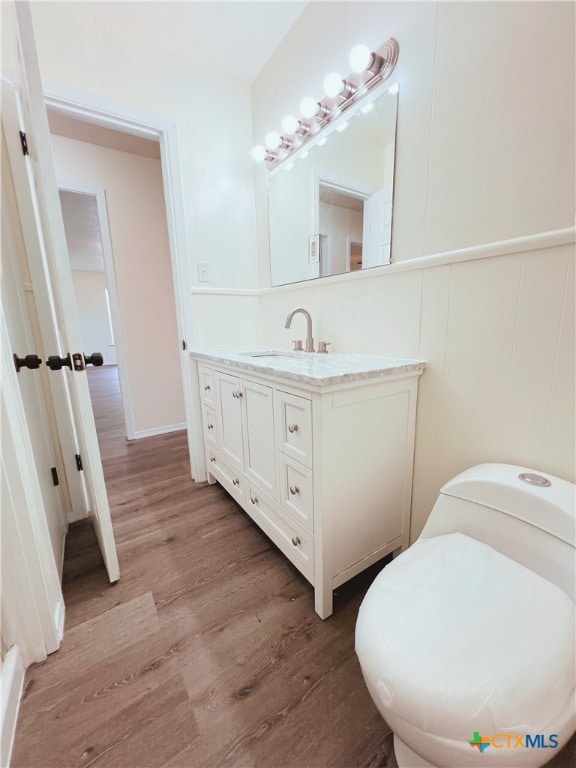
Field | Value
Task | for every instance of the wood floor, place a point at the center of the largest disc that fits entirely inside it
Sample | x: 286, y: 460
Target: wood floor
x: 208, y: 651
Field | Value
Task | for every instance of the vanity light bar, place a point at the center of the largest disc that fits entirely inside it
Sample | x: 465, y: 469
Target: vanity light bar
x: 376, y: 67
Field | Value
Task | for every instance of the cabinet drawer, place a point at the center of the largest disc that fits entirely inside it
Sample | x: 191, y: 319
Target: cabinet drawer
x: 206, y: 378
x: 294, y: 426
x: 226, y: 474
x: 297, y: 491
x: 297, y: 545
x: 209, y: 423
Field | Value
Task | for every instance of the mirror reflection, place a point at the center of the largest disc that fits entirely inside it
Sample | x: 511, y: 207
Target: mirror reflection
x: 331, y: 211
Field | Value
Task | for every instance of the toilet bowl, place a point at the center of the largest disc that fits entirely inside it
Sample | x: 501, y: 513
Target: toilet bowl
x: 467, y: 639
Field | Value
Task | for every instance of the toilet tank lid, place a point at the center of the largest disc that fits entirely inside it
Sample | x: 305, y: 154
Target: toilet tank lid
x: 552, y: 508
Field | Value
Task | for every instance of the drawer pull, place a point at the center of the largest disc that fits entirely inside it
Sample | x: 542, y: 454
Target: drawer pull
x: 254, y: 499
x: 213, y: 459
x: 294, y: 490
x: 207, y: 387
x: 235, y: 481
x: 296, y: 540
x: 210, y: 426
x: 293, y: 428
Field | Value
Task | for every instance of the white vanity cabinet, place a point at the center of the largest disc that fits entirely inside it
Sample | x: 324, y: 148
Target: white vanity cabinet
x: 323, y: 467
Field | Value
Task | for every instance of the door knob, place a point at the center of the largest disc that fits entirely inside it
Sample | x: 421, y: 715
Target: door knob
x: 96, y: 359
x: 28, y: 361
x: 56, y: 363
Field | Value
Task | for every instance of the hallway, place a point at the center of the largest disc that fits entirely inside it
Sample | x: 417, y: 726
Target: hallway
x: 208, y: 651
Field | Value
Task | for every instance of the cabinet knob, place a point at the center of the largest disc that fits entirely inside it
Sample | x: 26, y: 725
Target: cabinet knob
x: 236, y: 393
x: 294, y: 490
x: 210, y: 426
x: 296, y: 540
x: 254, y: 499
x: 235, y: 481
x: 213, y: 459
x: 292, y: 427
x: 207, y: 387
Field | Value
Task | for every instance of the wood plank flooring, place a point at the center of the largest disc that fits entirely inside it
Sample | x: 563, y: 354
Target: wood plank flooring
x: 208, y: 652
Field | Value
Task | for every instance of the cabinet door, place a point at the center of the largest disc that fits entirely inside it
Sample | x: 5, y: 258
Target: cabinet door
x: 229, y: 418
x: 259, y: 453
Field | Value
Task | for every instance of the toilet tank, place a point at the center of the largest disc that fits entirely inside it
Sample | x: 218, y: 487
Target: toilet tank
x: 527, y: 515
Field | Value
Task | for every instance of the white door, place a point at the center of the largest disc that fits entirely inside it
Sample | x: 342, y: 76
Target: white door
x: 39, y: 207
x: 377, y: 229
x: 24, y: 341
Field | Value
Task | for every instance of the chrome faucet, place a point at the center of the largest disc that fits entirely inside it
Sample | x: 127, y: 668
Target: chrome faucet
x: 309, y: 339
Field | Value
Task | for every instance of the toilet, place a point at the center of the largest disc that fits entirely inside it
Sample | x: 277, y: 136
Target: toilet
x: 467, y: 640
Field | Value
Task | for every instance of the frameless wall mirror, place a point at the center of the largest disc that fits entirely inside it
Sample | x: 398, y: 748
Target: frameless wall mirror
x: 330, y: 210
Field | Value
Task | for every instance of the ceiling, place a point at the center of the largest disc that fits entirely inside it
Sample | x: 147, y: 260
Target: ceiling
x: 342, y: 199
x: 231, y: 37
x: 234, y: 38
x: 62, y: 125
x: 82, y: 226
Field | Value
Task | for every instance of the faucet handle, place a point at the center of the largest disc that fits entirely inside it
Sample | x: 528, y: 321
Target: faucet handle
x: 322, y: 346
x: 298, y: 345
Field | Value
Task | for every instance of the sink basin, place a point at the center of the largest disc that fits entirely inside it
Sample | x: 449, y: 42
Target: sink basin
x: 265, y: 354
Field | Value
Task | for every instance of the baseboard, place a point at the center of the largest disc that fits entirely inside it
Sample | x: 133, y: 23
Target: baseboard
x: 12, y: 684
x: 140, y: 433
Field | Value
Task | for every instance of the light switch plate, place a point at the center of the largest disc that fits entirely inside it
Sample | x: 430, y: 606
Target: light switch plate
x: 314, y: 249
x: 203, y: 272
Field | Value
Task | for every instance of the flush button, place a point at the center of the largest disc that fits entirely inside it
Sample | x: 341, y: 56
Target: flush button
x: 533, y: 479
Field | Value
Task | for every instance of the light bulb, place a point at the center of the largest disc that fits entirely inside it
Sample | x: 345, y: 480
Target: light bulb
x: 367, y: 108
x: 273, y: 140
x: 342, y: 127
x: 258, y: 153
x: 394, y: 88
x: 321, y: 141
x: 289, y: 166
x: 360, y: 58
x: 309, y: 107
x: 290, y: 124
x: 333, y: 84
x: 303, y: 154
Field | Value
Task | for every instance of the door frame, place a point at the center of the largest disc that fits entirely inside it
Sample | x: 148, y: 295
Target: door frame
x: 110, y: 271
x: 94, y: 109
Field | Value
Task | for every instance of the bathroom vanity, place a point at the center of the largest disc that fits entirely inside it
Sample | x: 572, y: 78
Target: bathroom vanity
x: 317, y: 449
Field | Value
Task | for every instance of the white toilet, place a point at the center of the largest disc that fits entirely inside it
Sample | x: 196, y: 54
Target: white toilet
x: 466, y: 640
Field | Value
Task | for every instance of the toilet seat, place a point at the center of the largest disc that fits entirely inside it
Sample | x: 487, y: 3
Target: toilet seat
x: 455, y: 638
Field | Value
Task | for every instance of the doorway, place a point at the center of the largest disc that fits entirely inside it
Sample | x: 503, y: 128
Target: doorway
x: 131, y: 122
x: 112, y: 196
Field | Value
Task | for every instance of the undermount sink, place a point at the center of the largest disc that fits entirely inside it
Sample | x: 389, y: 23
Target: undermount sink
x: 266, y: 354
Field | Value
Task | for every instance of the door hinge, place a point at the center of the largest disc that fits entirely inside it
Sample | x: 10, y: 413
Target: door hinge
x: 55, y: 478
x: 24, y: 142
x: 184, y: 345
x: 79, y: 466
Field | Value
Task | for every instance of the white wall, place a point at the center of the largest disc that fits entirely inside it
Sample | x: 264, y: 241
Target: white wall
x: 96, y: 48
x: 90, y: 295
x: 485, y: 153
x: 138, y: 230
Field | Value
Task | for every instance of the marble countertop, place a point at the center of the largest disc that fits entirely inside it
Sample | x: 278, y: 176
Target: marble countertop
x: 309, y: 367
